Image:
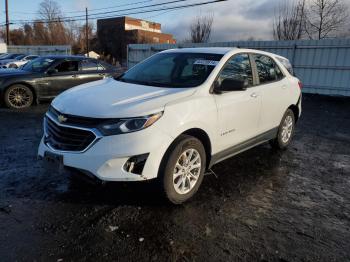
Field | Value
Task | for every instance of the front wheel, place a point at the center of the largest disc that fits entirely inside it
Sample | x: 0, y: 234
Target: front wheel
x: 183, y: 170
x: 285, y: 131
x: 18, y: 97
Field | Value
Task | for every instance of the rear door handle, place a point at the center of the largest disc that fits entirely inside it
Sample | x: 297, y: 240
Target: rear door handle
x: 74, y: 76
x: 284, y: 87
x: 255, y: 95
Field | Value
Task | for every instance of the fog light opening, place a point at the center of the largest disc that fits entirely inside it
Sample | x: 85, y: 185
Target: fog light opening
x: 135, y: 164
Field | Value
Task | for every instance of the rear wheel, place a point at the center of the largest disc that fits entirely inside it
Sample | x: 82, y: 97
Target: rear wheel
x: 183, y: 169
x: 18, y: 96
x: 285, y: 131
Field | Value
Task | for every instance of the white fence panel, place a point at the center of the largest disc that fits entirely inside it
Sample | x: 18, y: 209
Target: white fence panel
x: 40, y: 49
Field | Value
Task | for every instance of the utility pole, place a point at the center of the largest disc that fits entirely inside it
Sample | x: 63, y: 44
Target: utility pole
x: 86, y: 32
x: 7, y: 23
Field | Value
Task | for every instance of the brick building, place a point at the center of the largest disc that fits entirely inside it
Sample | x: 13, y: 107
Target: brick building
x: 114, y: 34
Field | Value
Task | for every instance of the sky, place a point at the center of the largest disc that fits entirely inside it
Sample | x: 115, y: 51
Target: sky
x: 233, y: 20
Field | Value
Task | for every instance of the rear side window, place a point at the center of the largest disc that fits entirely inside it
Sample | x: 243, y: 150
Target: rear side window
x: 68, y: 66
x: 286, y: 64
x: 268, y: 70
x: 238, y: 68
x: 88, y: 65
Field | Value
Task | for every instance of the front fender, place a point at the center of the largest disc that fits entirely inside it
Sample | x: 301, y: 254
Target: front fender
x: 192, y: 112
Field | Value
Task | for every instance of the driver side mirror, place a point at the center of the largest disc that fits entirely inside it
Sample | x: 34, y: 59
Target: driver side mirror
x: 230, y: 84
x: 52, y: 71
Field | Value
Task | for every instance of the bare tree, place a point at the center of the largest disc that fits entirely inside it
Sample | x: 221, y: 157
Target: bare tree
x: 290, y: 21
x: 200, y: 29
x: 50, y: 12
x: 326, y: 18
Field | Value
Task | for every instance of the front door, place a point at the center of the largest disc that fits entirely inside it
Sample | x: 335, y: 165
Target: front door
x: 238, y: 111
x: 64, y: 76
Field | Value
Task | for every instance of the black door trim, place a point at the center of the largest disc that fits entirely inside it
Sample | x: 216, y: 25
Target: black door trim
x: 252, y: 142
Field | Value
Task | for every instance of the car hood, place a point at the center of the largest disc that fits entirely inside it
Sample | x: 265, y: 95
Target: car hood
x: 13, y: 72
x: 109, y: 98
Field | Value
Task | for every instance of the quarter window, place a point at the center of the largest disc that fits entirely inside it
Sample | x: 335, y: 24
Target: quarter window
x: 286, y: 64
x: 268, y: 70
x: 237, y: 68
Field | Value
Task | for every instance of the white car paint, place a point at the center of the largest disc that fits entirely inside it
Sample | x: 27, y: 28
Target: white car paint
x: 228, y: 119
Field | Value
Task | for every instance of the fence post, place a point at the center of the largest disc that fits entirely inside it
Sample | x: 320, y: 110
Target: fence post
x: 293, y: 55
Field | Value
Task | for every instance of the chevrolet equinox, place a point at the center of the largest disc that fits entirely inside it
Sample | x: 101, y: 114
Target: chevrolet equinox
x: 173, y: 116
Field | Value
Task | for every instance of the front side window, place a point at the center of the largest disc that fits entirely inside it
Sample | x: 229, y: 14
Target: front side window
x: 173, y: 70
x: 67, y: 66
x: 237, y: 68
x: 268, y: 70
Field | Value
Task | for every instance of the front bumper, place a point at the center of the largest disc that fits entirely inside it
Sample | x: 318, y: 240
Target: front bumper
x: 106, y: 158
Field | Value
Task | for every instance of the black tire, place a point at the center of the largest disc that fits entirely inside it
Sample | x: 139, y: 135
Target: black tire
x: 166, y: 172
x: 24, y: 99
x: 280, y: 141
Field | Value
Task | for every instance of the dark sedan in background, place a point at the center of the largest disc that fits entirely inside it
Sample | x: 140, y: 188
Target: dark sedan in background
x: 45, y: 77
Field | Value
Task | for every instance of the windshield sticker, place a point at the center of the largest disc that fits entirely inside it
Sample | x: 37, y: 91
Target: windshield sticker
x: 206, y: 62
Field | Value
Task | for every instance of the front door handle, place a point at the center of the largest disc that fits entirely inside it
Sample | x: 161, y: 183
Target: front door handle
x: 254, y: 95
x: 74, y: 76
x: 284, y: 87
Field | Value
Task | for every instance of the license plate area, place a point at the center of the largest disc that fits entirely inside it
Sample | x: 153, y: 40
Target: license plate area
x: 53, y: 160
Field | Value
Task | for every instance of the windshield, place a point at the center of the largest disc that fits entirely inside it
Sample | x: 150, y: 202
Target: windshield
x: 38, y: 64
x: 172, y: 70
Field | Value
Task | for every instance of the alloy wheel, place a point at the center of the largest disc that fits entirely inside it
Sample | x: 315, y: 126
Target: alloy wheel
x: 187, y: 170
x: 19, y: 97
x: 287, y: 129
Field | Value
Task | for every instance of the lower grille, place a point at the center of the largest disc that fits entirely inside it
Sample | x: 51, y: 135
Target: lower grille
x: 67, y: 138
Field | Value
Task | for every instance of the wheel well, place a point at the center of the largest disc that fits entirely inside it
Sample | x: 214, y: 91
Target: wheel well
x: 204, y: 138
x: 27, y: 85
x: 295, y: 110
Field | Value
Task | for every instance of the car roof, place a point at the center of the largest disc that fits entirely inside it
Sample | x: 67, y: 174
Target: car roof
x: 65, y: 57
x: 209, y: 50
x: 219, y: 50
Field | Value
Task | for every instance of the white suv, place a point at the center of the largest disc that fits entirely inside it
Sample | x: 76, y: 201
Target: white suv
x: 173, y: 116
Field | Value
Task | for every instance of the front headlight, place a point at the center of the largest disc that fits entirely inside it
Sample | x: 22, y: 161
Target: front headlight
x: 122, y: 126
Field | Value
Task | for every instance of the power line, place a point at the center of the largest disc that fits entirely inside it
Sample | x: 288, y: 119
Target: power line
x: 109, y: 12
x: 131, y: 13
x: 83, y: 11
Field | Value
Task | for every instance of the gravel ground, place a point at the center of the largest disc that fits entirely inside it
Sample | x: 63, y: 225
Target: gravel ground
x: 262, y: 206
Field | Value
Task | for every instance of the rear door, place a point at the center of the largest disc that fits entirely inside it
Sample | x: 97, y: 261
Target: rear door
x: 90, y: 70
x: 272, y: 85
x: 238, y: 111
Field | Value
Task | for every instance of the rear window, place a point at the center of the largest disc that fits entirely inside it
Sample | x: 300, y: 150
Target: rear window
x: 285, y: 62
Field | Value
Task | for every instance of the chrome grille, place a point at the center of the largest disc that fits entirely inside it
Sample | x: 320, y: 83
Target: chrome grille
x: 66, y: 138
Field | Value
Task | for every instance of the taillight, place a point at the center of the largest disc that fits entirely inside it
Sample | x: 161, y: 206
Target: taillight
x: 300, y: 84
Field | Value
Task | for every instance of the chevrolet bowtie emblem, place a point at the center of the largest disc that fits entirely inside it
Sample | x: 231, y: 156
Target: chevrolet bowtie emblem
x: 62, y: 118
